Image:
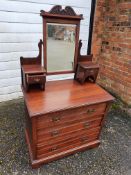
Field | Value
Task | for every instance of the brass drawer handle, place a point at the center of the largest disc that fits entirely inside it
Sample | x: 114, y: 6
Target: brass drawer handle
x: 56, y: 119
x: 54, y: 148
x: 91, y: 71
x: 90, y: 111
x: 55, y: 133
x: 37, y: 79
x: 86, y: 125
x: 83, y: 139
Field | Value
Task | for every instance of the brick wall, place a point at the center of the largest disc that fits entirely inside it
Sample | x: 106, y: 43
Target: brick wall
x: 111, y: 46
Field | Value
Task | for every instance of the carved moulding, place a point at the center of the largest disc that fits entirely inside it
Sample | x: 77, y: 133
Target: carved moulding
x: 57, y: 10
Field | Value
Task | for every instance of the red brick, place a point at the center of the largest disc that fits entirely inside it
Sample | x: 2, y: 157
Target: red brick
x: 115, y: 56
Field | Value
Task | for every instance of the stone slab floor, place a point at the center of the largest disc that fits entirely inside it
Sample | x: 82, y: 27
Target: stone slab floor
x: 112, y: 157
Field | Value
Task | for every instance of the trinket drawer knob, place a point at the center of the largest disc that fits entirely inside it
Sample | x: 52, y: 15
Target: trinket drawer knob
x: 37, y: 79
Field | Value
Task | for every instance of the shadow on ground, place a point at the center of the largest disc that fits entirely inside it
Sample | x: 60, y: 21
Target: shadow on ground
x: 112, y: 157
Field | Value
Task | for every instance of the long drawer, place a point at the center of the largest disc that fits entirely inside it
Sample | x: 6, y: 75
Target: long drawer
x: 68, y: 136
x: 63, y: 117
x: 43, y: 135
x: 67, y: 144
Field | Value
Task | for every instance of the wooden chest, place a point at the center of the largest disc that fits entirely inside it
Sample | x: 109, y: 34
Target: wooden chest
x: 64, y: 119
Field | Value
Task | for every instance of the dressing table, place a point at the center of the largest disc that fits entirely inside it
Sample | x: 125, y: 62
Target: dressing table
x: 67, y: 117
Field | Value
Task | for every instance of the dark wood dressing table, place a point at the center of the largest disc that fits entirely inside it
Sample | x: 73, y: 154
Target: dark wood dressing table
x: 64, y: 119
x: 67, y: 117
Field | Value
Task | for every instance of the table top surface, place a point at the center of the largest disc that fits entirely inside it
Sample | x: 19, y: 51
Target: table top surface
x: 64, y: 94
x: 30, y: 69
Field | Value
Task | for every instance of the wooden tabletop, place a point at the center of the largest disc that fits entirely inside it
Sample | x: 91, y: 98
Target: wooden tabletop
x: 64, y: 94
x: 29, y: 69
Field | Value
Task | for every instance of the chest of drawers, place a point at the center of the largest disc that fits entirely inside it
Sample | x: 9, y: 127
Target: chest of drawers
x: 64, y: 119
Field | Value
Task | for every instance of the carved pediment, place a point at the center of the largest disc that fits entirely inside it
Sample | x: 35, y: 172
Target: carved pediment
x: 57, y: 10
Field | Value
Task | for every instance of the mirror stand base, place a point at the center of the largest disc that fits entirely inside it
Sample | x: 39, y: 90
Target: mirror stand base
x: 86, y: 71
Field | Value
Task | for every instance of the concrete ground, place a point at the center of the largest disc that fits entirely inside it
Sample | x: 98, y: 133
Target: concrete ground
x: 112, y: 157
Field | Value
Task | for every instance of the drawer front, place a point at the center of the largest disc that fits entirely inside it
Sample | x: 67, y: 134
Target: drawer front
x: 43, y: 135
x: 67, y: 136
x: 93, y: 71
x: 67, y: 144
x: 31, y: 79
x: 64, y: 117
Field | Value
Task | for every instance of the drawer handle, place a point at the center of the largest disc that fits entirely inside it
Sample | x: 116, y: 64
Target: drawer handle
x: 90, y: 111
x: 86, y: 125
x: 54, y: 148
x: 55, y: 119
x: 83, y: 139
x: 55, y: 133
x: 37, y: 79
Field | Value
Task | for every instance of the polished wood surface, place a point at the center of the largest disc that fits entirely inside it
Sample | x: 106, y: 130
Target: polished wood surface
x: 67, y: 117
x: 88, y: 64
x: 32, y: 69
x: 64, y: 94
x: 58, y: 12
x: 86, y: 71
x: 33, y: 74
x: 64, y: 119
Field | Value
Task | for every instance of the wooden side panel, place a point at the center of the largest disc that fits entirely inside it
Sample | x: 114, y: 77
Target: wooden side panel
x: 31, y: 134
x: 28, y: 125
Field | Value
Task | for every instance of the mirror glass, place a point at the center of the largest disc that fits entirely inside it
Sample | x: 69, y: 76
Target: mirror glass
x: 60, y: 47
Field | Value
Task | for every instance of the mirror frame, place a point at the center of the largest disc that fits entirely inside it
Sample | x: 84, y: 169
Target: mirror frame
x: 60, y: 16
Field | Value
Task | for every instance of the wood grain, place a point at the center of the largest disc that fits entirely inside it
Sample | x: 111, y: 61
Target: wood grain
x: 63, y: 95
x: 51, y: 133
x: 67, y: 136
x: 65, y: 145
x: 59, y: 118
